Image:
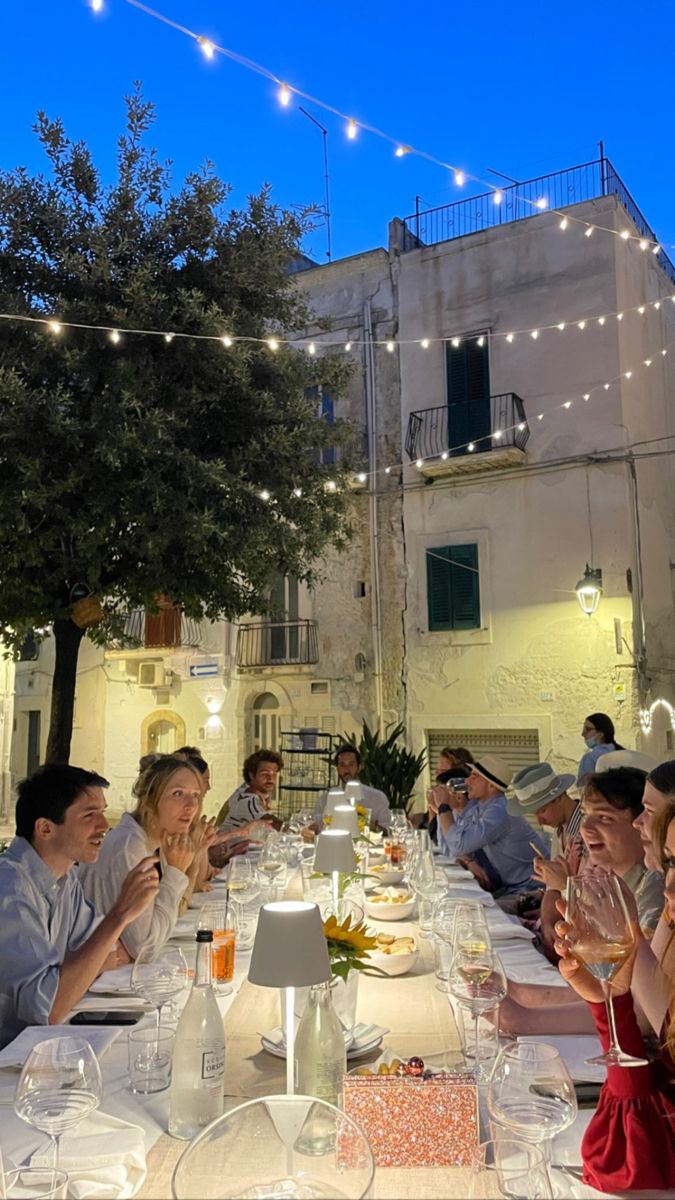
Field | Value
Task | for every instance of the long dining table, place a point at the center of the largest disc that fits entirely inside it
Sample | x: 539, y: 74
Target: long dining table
x: 418, y: 1018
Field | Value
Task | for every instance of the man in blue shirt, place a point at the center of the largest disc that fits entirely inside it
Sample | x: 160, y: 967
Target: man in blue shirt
x: 507, y: 842
x: 52, y: 943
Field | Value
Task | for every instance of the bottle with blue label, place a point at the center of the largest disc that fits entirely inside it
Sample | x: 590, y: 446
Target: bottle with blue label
x: 198, y: 1073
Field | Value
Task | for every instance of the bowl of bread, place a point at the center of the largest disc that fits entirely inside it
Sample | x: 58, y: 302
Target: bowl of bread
x: 390, y: 904
x: 393, y: 955
x: 384, y: 874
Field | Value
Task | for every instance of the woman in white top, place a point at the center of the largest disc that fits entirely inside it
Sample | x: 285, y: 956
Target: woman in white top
x: 166, y: 818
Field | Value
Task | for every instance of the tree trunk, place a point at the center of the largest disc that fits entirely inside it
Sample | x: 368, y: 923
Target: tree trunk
x: 67, y: 636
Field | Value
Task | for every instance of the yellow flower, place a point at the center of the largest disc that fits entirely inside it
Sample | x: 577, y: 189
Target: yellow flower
x: 348, y: 936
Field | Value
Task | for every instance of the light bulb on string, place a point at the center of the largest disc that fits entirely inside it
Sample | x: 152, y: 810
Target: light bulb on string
x: 581, y: 325
x: 606, y: 386
x: 55, y: 327
x: 297, y: 492
x: 541, y: 203
x: 589, y: 232
x: 628, y: 374
x: 471, y: 447
x: 641, y: 310
x: 391, y: 346
x: 424, y: 343
x: 619, y: 316
x: 460, y: 178
x: 272, y: 343
x: 480, y: 341
x: 567, y: 404
x: 498, y: 196
x: 361, y: 477
x: 643, y: 243
x: 564, y: 223
x: 497, y: 434
x: 601, y: 320
x: 331, y: 485
x: 207, y: 48
x: 226, y: 340
x: 656, y: 248
x: 284, y: 95
x: 510, y: 337
x: 348, y: 347
x: 624, y: 235
x: 96, y: 5
x: 664, y: 352
x: 387, y: 470
x: 456, y: 343
x: 311, y: 349
x: 561, y: 326
x: 264, y: 494
x: 419, y: 463
x: 587, y: 395
x: 445, y: 455
x: 168, y: 338
x: 647, y: 362
x: 657, y: 304
x: 114, y: 337
x: 352, y: 129
x: 534, y: 334
x: 400, y: 151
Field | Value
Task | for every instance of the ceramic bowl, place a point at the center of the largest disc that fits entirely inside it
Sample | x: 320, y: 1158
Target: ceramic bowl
x: 385, y: 910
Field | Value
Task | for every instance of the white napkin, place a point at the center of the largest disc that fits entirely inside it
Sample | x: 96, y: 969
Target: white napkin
x: 16, y: 1053
x: 104, y: 1158
x: 574, y: 1049
x: 503, y: 929
x: 462, y: 892
x: 113, y: 983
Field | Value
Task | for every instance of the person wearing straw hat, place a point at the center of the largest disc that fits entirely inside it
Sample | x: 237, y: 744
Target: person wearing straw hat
x: 506, y: 841
x: 539, y: 792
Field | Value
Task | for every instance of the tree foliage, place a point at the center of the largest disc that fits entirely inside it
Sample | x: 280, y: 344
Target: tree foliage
x: 135, y: 470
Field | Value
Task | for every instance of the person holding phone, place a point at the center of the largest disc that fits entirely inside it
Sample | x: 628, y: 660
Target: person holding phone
x: 53, y: 944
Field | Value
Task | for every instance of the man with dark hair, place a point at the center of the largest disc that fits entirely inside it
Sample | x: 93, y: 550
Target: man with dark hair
x: 347, y: 763
x: 52, y: 943
x: 251, y: 800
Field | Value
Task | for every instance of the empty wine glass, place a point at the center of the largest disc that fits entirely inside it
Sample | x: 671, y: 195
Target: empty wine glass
x: 272, y: 863
x: 59, y: 1085
x: 531, y: 1093
x: 478, y: 983
x: 601, y: 938
x: 159, y: 979
x: 506, y: 1168
x: 242, y: 880
x: 399, y: 822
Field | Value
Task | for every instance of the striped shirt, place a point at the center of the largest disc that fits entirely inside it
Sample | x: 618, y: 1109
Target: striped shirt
x: 243, y: 806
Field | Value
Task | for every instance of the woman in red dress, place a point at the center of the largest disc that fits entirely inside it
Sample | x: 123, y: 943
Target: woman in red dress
x: 630, y: 1141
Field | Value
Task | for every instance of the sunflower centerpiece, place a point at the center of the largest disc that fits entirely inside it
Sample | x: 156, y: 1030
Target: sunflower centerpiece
x: 349, y: 945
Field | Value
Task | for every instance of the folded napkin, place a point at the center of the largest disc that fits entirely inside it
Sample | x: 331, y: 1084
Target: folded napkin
x: 465, y: 892
x: 16, y: 1053
x: 104, y: 1158
x: 362, y: 1035
x: 113, y: 983
x: 574, y: 1049
x: 503, y: 930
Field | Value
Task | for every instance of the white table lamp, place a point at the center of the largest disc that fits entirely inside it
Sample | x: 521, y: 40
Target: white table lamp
x: 335, y: 854
x: 289, y: 951
x: 335, y: 796
x: 353, y: 792
x: 346, y: 817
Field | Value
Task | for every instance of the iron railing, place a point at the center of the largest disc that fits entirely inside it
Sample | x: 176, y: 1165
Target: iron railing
x: 167, y: 628
x: 470, y: 427
x: 270, y: 644
x: 587, y: 181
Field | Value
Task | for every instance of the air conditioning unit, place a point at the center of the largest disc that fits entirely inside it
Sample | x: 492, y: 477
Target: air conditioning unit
x: 152, y: 674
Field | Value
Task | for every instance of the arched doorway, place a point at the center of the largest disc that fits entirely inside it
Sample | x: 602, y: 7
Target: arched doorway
x: 162, y: 732
x: 269, y: 720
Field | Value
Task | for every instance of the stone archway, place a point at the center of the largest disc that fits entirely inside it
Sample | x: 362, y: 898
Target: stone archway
x: 162, y: 732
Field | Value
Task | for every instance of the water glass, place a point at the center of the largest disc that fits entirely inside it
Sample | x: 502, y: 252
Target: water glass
x: 245, y: 921
x: 59, y: 1085
x: 531, y: 1093
x: 35, y: 1183
x: 150, y: 1052
x: 488, y: 1038
x: 510, y: 1169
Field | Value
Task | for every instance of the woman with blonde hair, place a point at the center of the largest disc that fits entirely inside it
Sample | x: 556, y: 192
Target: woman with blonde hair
x: 167, y: 819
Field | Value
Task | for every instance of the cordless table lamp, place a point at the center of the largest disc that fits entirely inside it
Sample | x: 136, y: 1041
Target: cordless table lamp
x: 335, y: 854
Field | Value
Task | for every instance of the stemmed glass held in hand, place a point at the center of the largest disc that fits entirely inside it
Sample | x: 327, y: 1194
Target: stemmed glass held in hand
x: 159, y: 975
x: 59, y: 1085
x: 531, y: 1093
x: 601, y: 937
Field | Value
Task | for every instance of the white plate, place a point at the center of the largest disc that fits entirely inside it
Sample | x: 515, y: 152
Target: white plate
x: 356, y: 1050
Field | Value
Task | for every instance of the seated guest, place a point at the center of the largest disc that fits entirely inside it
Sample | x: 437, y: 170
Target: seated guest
x: 539, y: 792
x: 166, y: 819
x: 251, y: 800
x: 347, y: 762
x: 52, y: 942
x: 629, y: 1143
x: 225, y: 845
x: 611, y: 802
x: 487, y: 826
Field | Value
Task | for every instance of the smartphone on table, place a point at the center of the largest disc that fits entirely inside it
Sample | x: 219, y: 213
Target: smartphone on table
x: 106, y: 1016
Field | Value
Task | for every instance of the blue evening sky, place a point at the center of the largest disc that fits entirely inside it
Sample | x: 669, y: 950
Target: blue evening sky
x: 523, y: 88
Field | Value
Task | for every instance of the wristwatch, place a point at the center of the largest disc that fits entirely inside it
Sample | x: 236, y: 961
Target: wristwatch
x: 443, y: 808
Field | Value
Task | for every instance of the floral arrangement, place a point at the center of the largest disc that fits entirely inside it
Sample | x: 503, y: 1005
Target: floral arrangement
x: 360, y: 812
x: 348, y: 946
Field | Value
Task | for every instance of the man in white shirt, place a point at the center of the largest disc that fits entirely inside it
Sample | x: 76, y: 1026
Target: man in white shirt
x: 347, y: 762
x: 52, y: 942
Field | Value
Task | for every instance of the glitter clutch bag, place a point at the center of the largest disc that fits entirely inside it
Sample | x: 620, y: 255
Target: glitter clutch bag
x: 416, y: 1122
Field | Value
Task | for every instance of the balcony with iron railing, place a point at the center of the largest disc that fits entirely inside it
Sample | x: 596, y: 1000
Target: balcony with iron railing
x: 277, y: 644
x: 168, y: 629
x: 589, y: 181
x: 469, y: 436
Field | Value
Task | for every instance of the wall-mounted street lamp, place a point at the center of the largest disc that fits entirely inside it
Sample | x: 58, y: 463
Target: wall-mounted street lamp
x: 589, y: 590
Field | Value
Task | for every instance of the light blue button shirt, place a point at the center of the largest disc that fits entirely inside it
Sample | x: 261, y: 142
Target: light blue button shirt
x: 42, y: 919
x: 587, y: 764
x: 504, y: 840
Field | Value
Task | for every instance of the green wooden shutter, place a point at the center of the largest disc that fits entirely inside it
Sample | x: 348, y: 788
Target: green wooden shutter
x: 468, y: 377
x: 453, y: 594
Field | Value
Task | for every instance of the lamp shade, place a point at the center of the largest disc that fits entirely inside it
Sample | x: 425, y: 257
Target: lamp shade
x: 353, y: 792
x: 589, y: 590
x: 334, y: 852
x: 290, y: 947
x: 335, y: 796
x: 346, y: 817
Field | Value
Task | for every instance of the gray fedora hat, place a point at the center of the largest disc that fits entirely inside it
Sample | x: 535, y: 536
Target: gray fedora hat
x: 535, y: 786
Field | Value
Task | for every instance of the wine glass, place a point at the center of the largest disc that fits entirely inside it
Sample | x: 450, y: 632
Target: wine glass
x: 510, y: 1169
x: 242, y: 880
x: 272, y: 863
x: 159, y: 979
x: 59, y: 1085
x: 399, y: 822
x: 601, y: 938
x: 469, y: 926
x: 531, y: 1093
x: 477, y: 982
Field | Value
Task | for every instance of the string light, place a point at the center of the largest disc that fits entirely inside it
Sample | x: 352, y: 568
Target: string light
x: 541, y: 203
x: 331, y: 485
x: 168, y: 337
x: 510, y: 337
x: 115, y: 337
x: 567, y: 404
x: 391, y: 346
x: 587, y: 395
x: 352, y: 129
x: 647, y: 362
x: 97, y: 5
x: 561, y: 326
x: 480, y: 341
x: 581, y: 325
x: 460, y: 178
x: 424, y: 343
x: 641, y: 310
x: 589, y: 232
x: 55, y: 327
x: 601, y: 320
x: 471, y: 447
x: 628, y: 374
x: 624, y: 235
x: 297, y: 492
x: 564, y: 223
x: 348, y: 347
x: 207, y: 48
x: 655, y: 248
x: 264, y: 495
x: 619, y: 316
x: 419, y: 463
x: 445, y: 456
x: 362, y: 477
x: 401, y: 150
x: 284, y: 95
x: 456, y: 342
x: 226, y: 340
x: 311, y: 349
x: 498, y: 196
x: 644, y: 244
x: 273, y: 343
x: 534, y: 333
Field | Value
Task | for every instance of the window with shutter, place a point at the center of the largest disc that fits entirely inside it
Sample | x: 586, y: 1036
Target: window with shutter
x: 453, y: 591
x: 468, y: 376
